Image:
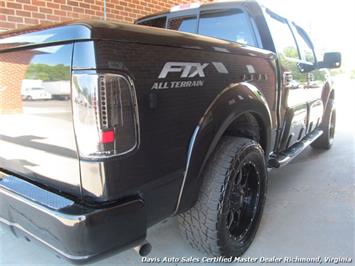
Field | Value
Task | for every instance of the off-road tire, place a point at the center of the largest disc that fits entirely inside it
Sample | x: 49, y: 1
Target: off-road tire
x: 325, y: 141
x: 206, y: 225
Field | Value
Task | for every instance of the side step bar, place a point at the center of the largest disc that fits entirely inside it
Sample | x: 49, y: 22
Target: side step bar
x: 283, y: 158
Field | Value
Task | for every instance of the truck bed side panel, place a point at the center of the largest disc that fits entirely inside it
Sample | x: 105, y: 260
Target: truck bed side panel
x: 170, y: 109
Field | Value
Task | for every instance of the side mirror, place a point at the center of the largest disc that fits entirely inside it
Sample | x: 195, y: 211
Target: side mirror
x: 330, y: 60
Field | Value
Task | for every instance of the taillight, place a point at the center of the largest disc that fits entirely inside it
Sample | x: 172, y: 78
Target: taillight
x: 105, y: 114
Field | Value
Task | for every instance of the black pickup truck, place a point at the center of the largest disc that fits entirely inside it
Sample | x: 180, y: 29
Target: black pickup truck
x: 155, y: 122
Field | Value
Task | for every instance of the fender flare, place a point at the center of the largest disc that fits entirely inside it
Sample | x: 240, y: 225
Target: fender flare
x: 233, y: 101
x: 326, y: 92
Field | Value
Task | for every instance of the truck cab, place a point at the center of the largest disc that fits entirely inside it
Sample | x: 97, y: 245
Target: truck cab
x: 304, y: 86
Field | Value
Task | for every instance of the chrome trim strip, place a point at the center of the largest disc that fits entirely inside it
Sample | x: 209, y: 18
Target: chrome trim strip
x: 191, y: 145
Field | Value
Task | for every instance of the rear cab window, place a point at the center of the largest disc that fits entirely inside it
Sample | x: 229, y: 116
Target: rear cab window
x: 159, y: 22
x: 186, y: 23
x: 233, y: 24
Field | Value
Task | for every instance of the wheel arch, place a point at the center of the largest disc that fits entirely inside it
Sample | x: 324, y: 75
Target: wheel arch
x: 234, y: 102
x: 328, y: 92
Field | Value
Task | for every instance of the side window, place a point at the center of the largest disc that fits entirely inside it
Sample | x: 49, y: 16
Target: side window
x: 185, y: 24
x: 283, y: 38
x: 304, y: 46
x: 232, y: 25
x: 156, y: 22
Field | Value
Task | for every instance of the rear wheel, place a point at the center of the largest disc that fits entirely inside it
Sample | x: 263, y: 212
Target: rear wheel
x: 227, y: 214
x: 325, y: 141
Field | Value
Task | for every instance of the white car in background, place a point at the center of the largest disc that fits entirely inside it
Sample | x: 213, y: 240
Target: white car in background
x: 35, y: 93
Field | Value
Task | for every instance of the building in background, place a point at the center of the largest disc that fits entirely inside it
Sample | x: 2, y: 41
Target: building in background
x: 15, y: 14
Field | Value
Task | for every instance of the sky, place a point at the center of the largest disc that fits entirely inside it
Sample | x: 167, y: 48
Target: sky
x: 330, y: 23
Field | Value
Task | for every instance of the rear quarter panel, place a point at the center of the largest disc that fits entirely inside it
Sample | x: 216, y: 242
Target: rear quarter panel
x: 168, y: 115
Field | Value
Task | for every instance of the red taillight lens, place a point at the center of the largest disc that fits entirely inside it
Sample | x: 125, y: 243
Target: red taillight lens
x: 104, y: 107
x: 107, y: 136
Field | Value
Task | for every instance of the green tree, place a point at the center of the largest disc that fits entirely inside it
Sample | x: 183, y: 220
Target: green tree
x: 290, y: 52
x: 48, y: 72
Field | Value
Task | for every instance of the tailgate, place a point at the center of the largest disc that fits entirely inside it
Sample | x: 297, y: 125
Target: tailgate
x: 37, y: 138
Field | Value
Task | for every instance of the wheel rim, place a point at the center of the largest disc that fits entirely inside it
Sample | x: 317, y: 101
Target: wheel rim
x: 332, y: 123
x: 243, y: 202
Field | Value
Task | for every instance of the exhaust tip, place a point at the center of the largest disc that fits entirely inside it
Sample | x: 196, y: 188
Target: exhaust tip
x: 144, y: 249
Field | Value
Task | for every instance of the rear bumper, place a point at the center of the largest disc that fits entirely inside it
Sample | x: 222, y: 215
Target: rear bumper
x: 75, y: 231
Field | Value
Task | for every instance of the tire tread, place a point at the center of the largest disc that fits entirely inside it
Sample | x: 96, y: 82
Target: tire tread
x: 199, y: 224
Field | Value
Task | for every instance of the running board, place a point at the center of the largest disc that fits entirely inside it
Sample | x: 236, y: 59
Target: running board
x: 283, y: 158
